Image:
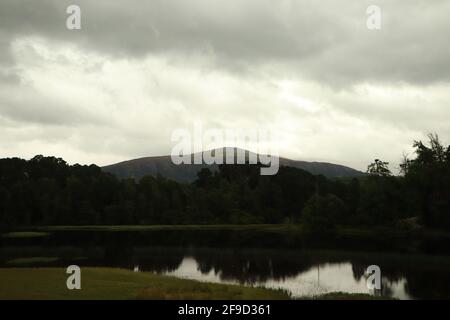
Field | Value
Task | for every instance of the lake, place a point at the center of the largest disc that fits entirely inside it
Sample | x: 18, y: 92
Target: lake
x: 301, y: 265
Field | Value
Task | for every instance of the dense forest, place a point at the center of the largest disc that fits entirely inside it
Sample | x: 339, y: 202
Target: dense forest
x: 48, y: 191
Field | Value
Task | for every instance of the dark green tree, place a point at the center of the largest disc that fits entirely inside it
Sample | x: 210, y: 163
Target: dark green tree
x: 323, y: 213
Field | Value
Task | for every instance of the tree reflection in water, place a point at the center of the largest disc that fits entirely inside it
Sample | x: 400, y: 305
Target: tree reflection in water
x: 301, y: 265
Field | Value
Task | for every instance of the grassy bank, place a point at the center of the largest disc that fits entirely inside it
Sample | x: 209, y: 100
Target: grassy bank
x: 349, y: 296
x: 126, y: 228
x: 25, y: 235
x: 353, y: 232
x: 117, y: 284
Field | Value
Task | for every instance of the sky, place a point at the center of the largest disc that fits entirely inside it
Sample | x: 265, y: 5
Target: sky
x: 329, y: 87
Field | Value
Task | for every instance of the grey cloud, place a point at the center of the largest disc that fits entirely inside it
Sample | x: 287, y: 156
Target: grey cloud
x: 23, y: 105
x: 238, y: 50
x: 9, y: 77
x: 327, y: 42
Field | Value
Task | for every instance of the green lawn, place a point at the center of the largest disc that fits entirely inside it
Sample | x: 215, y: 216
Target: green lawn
x: 118, y: 284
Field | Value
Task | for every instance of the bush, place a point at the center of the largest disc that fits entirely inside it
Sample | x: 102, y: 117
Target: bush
x: 242, y: 217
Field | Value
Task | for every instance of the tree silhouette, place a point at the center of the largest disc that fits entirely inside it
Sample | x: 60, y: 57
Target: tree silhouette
x: 379, y: 168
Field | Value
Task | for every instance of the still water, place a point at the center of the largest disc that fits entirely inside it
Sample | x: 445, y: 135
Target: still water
x: 319, y: 279
x: 304, y: 267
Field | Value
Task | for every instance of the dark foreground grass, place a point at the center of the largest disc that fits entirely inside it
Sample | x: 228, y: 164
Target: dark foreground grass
x: 118, y: 284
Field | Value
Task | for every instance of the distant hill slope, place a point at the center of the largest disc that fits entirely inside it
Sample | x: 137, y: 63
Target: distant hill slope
x: 138, y: 168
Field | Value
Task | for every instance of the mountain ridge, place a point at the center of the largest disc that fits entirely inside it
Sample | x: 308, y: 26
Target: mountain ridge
x: 186, y: 173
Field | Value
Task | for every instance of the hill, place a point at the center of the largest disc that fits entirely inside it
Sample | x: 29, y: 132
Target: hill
x: 163, y: 165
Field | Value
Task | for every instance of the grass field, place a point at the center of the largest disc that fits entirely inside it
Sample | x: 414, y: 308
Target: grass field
x: 118, y: 284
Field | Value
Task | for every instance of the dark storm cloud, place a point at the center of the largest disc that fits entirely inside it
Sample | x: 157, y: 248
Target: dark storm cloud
x: 328, y: 42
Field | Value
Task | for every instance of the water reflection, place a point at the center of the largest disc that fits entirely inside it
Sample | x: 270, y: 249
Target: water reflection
x: 320, y: 279
x: 301, y: 266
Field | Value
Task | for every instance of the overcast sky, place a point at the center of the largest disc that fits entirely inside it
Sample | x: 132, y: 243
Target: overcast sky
x: 332, y: 89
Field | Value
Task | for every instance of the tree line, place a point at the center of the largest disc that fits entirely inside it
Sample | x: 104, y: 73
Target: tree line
x: 48, y: 191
